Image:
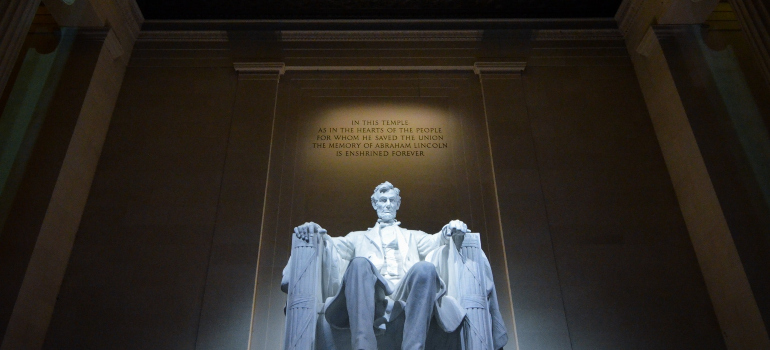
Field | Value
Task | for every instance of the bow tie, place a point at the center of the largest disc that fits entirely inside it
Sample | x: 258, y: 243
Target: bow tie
x: 386, y: 224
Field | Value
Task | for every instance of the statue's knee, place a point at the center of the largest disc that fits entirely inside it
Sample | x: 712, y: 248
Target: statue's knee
x: 360, y: 264
x: 425, y: 269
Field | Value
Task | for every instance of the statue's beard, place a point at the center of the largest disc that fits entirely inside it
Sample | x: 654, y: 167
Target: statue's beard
x: 387, y: 216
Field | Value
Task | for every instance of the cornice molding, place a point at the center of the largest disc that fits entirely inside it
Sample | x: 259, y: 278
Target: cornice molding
x: 577, y: 34
x: 378, y: 35
x: 280, y: 68
x: 260, y: 67
x: 499, y: 67
x: 381, y: 35
x: 378, y: 68
x: 383, y: 24
x: 183, y: 35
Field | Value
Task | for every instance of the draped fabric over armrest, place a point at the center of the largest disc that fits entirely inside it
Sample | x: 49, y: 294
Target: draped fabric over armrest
x: 312, y: 275
x: 301, y: 280
x: 331, y: 265
x: 465, y: 269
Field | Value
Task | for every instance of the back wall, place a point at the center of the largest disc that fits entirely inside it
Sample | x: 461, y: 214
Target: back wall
x: 570, y: 177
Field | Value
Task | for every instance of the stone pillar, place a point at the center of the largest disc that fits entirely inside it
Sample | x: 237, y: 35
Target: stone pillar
x: 48, y: 207
x: 31, y: 240
x: 505, y: 110
x: 755, y: 22
x: 226, y: 314
x: 14, y: 25
x: 731, y: 294
x: 256, y: 101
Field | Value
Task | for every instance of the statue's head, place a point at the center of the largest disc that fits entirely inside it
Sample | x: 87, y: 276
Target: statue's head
x: 386, y: 201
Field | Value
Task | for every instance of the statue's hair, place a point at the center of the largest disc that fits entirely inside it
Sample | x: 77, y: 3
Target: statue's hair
x: 385, y: 187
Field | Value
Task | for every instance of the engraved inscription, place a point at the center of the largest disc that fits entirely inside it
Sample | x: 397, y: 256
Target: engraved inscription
x: 380, y: 138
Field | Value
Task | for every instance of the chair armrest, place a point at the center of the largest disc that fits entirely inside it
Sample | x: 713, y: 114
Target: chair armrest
x: 302, y: 281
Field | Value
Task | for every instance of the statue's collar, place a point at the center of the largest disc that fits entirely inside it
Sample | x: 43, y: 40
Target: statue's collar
x: 386, y: 224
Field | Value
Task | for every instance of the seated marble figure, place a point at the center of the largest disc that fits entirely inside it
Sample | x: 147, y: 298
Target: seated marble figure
x: 390, y: 288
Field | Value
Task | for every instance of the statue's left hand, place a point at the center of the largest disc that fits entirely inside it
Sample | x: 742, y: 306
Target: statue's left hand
x: 455, y: 227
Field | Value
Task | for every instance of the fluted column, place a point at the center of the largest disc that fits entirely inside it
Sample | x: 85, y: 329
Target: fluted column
x: 14, y: 25
x: 755, y: 22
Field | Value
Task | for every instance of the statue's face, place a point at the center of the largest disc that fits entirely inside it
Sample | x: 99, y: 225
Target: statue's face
x: 386, y: 205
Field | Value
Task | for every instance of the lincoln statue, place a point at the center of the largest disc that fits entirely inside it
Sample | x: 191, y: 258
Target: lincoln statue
x: 388, y: 285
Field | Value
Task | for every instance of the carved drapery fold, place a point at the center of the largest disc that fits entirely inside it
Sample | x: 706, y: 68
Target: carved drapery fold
x: 477, y: 327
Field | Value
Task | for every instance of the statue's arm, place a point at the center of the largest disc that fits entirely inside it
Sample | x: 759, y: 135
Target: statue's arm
x: 343, y: 246
x: 428, y: 242
x: 334, y: 264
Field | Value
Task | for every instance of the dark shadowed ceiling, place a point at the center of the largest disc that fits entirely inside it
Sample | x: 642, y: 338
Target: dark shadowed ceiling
x: 376, y: 9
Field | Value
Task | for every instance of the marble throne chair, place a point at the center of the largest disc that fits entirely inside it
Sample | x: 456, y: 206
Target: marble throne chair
x: 461, y: 264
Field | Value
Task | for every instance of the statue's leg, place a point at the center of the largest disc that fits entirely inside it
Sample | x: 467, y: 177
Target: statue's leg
x: 360, y: 279
x: 422, y: 284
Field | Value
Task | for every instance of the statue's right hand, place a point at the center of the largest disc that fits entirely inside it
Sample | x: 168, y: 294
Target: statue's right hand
x: 309, y: 230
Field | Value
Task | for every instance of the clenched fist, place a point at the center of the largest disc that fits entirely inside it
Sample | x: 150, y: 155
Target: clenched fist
x: 455, y: 227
